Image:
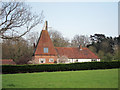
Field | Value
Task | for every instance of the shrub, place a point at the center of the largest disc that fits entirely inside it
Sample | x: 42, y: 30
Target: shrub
x: 59, y: 67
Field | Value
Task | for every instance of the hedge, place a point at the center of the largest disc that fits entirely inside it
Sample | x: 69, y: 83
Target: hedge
x: 6, y: 69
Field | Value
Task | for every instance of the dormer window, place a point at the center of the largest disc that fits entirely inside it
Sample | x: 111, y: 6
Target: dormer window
x: 45, y: 50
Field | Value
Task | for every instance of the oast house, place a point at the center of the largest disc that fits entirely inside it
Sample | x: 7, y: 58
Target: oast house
x: 46, y: 53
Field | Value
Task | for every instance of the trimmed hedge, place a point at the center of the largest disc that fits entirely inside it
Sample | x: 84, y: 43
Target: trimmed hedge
x: 58, y: 67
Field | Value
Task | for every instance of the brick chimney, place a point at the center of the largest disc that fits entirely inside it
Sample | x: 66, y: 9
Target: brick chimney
x: 80, y: 47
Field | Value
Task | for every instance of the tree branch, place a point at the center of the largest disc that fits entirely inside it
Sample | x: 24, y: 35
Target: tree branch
x: 17, y: 15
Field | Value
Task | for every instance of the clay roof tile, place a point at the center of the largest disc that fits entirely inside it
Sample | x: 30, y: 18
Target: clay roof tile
x: 44, y: 42
x: 76, y: 53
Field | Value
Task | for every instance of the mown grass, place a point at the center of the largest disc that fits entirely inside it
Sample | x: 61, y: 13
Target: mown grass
x: 68, y: 79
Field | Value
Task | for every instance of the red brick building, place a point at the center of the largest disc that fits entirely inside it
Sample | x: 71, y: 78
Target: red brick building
x: 46, y: 53
x: 44, y: 50
x: 7, y: 62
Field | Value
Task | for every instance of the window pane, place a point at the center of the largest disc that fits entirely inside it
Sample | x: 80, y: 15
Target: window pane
x: 45, y: 50
x: 42, y: 60
x: 51, y: 60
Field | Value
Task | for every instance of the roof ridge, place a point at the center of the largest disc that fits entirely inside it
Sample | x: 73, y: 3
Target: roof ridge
x: 37, y: 43
x: 74, y: 52
x: 71, y: 47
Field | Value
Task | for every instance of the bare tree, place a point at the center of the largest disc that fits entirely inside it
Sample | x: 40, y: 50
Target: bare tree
x: 58, y: 39
x: 16, y: 20
x: 18, y: 50
x: 80, y: 40
x: 32, y: 37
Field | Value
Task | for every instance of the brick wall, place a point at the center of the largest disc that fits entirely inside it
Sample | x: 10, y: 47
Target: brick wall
x: 37, y: 58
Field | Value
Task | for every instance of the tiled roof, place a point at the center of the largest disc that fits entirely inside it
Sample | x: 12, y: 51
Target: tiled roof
x: 76, y: 53
x: 44, y: 42
x: 7, y: 62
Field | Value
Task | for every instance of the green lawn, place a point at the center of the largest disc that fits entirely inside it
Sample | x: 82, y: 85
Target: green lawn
x: 69, y: 79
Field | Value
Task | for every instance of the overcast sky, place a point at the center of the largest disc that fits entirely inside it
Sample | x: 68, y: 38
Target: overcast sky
x: 84, y: 18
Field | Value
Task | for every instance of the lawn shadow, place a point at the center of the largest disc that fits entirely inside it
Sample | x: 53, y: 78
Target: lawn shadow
x: 11, y: 85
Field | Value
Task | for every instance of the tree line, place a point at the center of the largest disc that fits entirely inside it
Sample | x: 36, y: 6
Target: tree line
x: 107, y: 48
x: 17, y: 21
x: 21, y: 50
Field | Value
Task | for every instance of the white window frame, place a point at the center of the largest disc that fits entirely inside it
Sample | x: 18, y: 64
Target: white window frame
x: 41, y: 59
x: 51, y: 59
